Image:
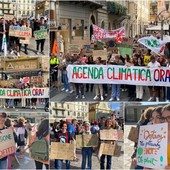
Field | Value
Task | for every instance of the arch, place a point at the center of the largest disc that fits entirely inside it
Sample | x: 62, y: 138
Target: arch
x: 92, y: 21
x: 102, y: 24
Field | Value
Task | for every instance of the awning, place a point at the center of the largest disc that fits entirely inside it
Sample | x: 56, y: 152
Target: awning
x: 158, y: 28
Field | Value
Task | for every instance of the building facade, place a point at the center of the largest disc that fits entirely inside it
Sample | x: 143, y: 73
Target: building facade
x: 5, y: 8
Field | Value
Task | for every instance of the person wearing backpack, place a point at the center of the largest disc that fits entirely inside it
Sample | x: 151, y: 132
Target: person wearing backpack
x: 41, y: 143
x: 63, y: 136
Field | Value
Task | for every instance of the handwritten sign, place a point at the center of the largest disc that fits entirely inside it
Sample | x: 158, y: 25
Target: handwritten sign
x: 17, y: 31
x: 8, y: 17
x: 111, y: 134
x: 62, y: 151
x: 100, y: 53
x: 25, y: 41
x: 41, y: 34
x: 73, y: 49
x: 36, y: 79
x: 7, y: 144
x: 133, y: 134
x: 87, y: 140
x: 152, y: 146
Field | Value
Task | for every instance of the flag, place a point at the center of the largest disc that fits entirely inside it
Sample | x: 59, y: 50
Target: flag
x: 55, y: 48
x: 154, y: 44
x: 99, y: 33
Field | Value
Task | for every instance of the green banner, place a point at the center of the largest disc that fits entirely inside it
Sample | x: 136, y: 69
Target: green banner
x: 40, y: 34
x: 124, y: 51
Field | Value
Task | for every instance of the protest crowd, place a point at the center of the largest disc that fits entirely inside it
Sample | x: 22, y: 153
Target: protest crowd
x: 17, y: 136
x: 153, y: 117
x: 71, y: 131
x: 28, y: 28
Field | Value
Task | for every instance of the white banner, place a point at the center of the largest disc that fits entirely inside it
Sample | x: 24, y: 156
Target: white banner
x: 154, y: 44
x: 114, y: 74
x: 152, y: 146
x: 9, y: 93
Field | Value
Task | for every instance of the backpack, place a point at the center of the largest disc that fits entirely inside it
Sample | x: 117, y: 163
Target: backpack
x: 40, y: 149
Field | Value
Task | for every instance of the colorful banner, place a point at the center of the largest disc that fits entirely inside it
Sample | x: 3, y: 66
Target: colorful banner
x: 99, y: 33
x: 7, y: 144
x: 25, y: 93
x: 114, y: 74
x: 152, y: 146
x: 154, y: 44
x: 41, y: 34
x: 17, y: 31
x: 87, y: 140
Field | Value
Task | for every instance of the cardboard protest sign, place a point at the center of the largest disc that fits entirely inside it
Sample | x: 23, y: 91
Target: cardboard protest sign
x: 87, y: 140
x: 73, y: 49
x: 152, y: 146
x: 116, y: 74
x: 133, y: 134
x: 111, y: 134
x: 8, y: 93
x: 17, y: 31
x: 25, y: 41
x: 100, y: 53
x: 25, y: 79
x: 124, y: 51
x: 109, y: 149
x: 36, y: 79
x: 41, y: 34
x: 8, y: 17
x: 62, y: 151
x: 7, y: 144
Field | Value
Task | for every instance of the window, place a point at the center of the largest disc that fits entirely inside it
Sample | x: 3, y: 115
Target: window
x: 62, y: 112
x: 79, y: 114
x: 56, y: 112
x: 74, y: 113
x: 68, y: 113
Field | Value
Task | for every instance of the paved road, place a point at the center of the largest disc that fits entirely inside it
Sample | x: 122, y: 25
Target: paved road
x: 31, y: 49
x: 57, y: 95
x: 117, y: 162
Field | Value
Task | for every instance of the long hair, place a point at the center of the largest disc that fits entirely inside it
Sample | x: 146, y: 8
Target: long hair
x: 43, y: 129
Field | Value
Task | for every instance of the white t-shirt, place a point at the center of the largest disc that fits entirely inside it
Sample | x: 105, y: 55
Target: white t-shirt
x: 154, y: 65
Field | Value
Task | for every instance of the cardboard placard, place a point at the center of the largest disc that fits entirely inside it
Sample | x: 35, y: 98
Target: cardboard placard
x: 100, y: 53
x: 111, y: 134
x: 109, y: 149
x: 74, y: 49
x: 17, y: 31
x: 62, y: 151
x: 26, y: 41
x: 152, y: 146
x: 87, y: 140
x: 8, y: 17
x: 124, y: 51
x: 7, y: 144
x: 133, y: 134
x: 41, y: 34
x: 36, y: 79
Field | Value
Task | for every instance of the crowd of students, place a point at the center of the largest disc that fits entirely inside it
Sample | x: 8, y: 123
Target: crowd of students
x: 13, y: 43
x: 135, y: 92
x: 66, y: 132
x: 153, y: 115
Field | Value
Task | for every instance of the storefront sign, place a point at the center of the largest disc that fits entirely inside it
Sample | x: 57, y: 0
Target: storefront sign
x: 17, y: 31
x: 9, y: 93
x: 7, y: 144
x: 62, y: 151
x: 152, y: 146
x: 114, y: 74
x: 41, y: 34
x: 111, y: 134
x: 87, y: 140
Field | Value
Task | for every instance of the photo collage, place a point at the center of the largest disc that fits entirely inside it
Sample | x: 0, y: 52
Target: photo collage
x: 85, y: 84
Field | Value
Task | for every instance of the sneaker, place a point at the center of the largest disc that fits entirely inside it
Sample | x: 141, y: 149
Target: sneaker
x: 35, y: 107
x: 71, y: 91
x: 117, y: 98
x: 77, y: 97
x: 18, y: 54
x: 96, y: 97
x: 83, y: 97
x: 106, y: 95
x: 167, y: 100
x: 11, y: 52
x: 123, y: 89
x: 157, y: 99
x: 150, y: 99
x: 13, y: 107
x: 7, y: 107
x: 102, y: 98
x: 62, y: 89
x: 67, y: 90
x: 111, y: 99
x: 42, y: 53
x: 38, y: 53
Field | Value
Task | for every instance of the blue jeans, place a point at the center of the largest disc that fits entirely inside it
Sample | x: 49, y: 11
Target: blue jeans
x: 102, y: 162
x: 65, y: 81
x: 115, y: 91
x: 3, y: 164
x: 59, y: 163
x: 86, y: 153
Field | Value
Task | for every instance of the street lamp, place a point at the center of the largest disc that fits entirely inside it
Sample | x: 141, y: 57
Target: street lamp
x: 161, y: 17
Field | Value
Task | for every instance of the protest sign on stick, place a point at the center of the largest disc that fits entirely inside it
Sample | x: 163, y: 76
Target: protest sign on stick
x: 41, y: 34
x: 111, y: 134
x: 87, y: 140
x: 62, y: 151
x: 7, y: 144
x: 152, y: 146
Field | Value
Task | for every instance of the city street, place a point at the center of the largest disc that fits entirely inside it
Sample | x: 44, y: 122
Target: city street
x: 117, y: 162
x: 57, y: 95
x: 31, y: 49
